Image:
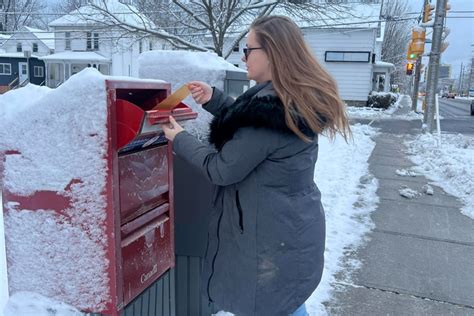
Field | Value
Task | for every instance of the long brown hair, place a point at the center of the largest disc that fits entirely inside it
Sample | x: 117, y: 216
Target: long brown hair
x: 305, y: 88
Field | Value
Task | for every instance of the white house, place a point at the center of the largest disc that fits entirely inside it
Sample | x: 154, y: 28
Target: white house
x: 27, y: 39
x: 87, y: 38
x: 348, y: 45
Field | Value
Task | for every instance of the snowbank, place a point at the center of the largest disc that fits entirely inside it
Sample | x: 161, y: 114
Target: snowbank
x: 59, y: 139
x: 180, y: 67
x: 33, y: 304
x: 450, y: 166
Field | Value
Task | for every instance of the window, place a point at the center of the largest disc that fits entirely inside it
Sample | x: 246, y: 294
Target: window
x: 5, y: 69
x: 92, y: 41
x: 67, y: 35
x: 357, y: 57
x: 96, y: 41
x: 35, y: 47
x: 38, y: 71
x: 19, y: 48
x: 89, y: 41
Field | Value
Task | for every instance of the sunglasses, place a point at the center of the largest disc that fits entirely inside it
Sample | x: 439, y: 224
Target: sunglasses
x: 247, y: 51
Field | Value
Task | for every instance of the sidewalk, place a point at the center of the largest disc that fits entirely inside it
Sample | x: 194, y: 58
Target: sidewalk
x: 419, y: 259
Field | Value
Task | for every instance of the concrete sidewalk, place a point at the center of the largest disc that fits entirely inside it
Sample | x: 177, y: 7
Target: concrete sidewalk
x: 419, y: 259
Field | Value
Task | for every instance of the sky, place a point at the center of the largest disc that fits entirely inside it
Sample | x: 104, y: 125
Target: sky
x: 461, y: 38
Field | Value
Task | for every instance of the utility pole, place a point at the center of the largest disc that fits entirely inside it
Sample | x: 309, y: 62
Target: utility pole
x: 460, y: 79
x: 433, y: 71
x: 416, y: 84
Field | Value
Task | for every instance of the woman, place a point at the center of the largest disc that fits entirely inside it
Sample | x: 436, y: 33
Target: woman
x: 267, y: 229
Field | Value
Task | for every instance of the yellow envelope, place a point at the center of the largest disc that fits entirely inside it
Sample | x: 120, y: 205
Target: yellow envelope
x: 173, y: 99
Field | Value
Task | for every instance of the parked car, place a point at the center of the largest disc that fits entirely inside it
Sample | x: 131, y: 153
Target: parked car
x: 449, y: 95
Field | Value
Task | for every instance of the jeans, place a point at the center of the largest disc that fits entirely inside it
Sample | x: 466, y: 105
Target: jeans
x: 301, y: 311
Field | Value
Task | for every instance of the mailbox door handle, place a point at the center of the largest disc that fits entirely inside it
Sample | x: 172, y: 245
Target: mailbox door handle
x: 144, y: 219
x: 159, y: 222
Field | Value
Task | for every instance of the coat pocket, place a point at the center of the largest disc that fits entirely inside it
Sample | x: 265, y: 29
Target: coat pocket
x: 239, y: 208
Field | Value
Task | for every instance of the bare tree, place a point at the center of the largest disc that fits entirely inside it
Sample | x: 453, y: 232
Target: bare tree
x: 202, y: 24
x: 396, y: 38
x: 17, y: 13
x: 68, y: 5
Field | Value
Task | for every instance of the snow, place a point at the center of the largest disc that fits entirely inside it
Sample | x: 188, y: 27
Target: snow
x: 33, y: 304
x: 379, y: 63
x: 46, y: 37
x: 89, y: 15
x: 382, y: 114
x: 3, y: 261
x: 16, y: 55
x: 348, y: 196
x: 180, y: 67
x: 450, y: 166
x: 348, y: 16
x: 335, y: 173
x: 79, y: 56
x: 348, y: 189
x: 408, y: 193
x: 61, y: 148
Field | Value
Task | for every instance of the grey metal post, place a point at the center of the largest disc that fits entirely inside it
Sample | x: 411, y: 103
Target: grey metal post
x: 460, y: 79
x: 433, y: 71
x: 416, y: 84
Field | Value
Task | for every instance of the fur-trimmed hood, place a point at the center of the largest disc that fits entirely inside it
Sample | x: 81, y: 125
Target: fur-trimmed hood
x: 258, y: 107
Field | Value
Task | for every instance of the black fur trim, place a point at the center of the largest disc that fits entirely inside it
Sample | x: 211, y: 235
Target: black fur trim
x: 251, y: 110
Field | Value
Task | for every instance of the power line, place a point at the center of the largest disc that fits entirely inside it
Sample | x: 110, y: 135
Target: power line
x: 136, y: 13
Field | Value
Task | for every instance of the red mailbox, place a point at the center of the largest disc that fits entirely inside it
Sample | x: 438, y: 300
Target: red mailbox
x: 138, y: 192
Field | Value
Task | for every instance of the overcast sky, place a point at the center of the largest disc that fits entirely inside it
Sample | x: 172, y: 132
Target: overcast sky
x: 461, y: 38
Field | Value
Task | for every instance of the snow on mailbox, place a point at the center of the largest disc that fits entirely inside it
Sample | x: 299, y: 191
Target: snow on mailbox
x: 88, y: 191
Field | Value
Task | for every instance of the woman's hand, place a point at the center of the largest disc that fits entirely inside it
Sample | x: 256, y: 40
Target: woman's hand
x: 171, y: 129
x: 201, y: 92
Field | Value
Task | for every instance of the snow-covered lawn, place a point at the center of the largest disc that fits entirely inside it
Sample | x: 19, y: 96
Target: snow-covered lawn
x: 388, y: 114
x: 348, y: 195
x: 450, y: 165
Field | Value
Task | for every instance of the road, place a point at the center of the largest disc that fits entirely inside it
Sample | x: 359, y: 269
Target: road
x: 455, y: 113
x: 452, y: 108
x: 456, y: 116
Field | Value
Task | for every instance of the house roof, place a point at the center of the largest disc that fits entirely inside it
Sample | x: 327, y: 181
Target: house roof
x: 76, y: 56
x: 89, y: 15
x: 46, y: 37
x: 15, y: 55
x: 340, y: 16
x: 347, y: 16
x: 384, y: 64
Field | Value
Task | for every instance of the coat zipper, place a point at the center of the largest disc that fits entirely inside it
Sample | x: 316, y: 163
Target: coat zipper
x: 239, y: 208
x: 214, y: 258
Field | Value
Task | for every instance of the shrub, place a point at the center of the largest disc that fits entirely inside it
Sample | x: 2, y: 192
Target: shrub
x: 381, y: 100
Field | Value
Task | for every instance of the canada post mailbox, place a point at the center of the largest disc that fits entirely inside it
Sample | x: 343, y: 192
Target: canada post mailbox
x: 139, y: 190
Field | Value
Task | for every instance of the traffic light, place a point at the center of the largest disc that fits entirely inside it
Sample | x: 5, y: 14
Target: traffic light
x: 410, y: 67
x: 428, y: 12
x: 417, y: 44
x: 410, y: 54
